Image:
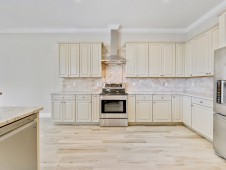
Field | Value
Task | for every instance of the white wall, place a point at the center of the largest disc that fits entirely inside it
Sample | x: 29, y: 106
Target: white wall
x: 29, y: 63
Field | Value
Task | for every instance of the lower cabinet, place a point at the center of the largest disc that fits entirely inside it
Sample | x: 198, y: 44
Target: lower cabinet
x: 75, y: 108
x: 202, y: 118
x: 187, y: 111
x: 63, y: 109
x: 83, y: 108
x: 177, y: 108
x: 95, y: 108
x: 131, y: 108
x: 143, y: 108
x: 162, y: 111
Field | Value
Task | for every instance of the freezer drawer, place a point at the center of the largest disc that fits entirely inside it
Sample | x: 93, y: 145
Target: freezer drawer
x: 219, y: 137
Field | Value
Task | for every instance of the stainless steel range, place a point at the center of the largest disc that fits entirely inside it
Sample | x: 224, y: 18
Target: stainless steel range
x: 113, y: 104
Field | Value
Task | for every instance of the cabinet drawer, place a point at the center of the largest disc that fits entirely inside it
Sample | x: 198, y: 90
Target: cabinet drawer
x: 161, y: 97
x: 202, y: 102
x: 83, y: 97
x: 143, y: 97
x: 60, y: 97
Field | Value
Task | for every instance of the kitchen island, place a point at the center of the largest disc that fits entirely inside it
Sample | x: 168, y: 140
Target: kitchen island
x: 19, y: 138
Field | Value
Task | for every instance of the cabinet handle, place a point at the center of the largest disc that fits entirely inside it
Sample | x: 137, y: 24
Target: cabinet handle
x: 201, y: 101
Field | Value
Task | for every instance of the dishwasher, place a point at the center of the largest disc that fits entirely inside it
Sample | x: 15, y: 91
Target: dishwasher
x: 18, y: 145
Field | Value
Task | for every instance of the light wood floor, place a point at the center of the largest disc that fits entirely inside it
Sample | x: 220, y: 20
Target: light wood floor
x: 131, y: 148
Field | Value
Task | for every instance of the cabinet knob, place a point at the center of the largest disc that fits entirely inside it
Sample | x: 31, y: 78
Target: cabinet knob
x: 201, y: 101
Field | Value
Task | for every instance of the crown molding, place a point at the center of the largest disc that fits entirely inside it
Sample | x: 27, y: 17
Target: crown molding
x: 53, y: 30
x: 153, y: 30
x: 215, y: 12
x: 212, y: 13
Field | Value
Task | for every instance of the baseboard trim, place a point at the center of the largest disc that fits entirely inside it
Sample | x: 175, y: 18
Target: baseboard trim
x: 44, y: 115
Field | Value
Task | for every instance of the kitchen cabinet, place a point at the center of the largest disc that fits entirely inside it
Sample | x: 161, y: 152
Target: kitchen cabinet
x: 95, y: 108
x: 131, y: 108
x: 180, y: 54
x: 63, y: 108
x: 202, y: 117
x: 137, y: 60
x: 162, y: 108
x: 189, y: 52
x: 161, y: 60
x: 200, y: 58
x: 90, y: 60
x: 68, y: 60
x: 177, y: 108
x: 187, y: 112
x: 83, y: 108
x: 214, y: 44
x: 143, y: 108
x: 155, y: 59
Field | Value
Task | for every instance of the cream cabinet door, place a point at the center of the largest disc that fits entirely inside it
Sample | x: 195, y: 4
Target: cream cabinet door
x: 130, y: 60
x: 214, y: 44
x: 142, y: 60
x: 85, y: 54
x: 187, y: 112
x: 155, y: 60
x: 63, y: 60
x: 73, y: 60
x: 189, y: 52
x: 143, y: 111
x: 68, y: 111
x: 95, y: 108
x: 177, y: 108
x: 83, y: 111
x: 95, y: 60
x: 162, y: 111
x: 202, y: 120
x: 131, y: 108
x: 137, y: 60
x: 57, y: 115
x: 180, y: 52
x: 200, y: 59
x: 168, y: 59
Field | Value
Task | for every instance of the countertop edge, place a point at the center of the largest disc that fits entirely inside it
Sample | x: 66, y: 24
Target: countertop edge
x: 32, y: 110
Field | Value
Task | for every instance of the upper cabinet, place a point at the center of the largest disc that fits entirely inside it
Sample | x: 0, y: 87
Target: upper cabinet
x: 199, y: 54
x: 80, y: 60
x: 180, y: 53
x: 188, y: 58
x: 200, y: 58
x: 137, y: 59
x: 213, y: 45
x: 69, y: 60
x: 161, y: 59
x: 90, y: 60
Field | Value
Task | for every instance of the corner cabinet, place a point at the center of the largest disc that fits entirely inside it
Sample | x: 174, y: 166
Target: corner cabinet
x: 187, y: 112
x: 188, y: 59
x: 137, y: 60
x: 80, y: 60
x: 180, y: 54
x: 177, y: 108
x: 63, y: 108
x: 68, y: 60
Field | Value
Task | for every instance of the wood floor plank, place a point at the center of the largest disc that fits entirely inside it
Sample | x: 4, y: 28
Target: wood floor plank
x: 66, y: 147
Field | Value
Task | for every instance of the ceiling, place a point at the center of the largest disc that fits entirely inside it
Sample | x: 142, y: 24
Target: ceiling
x: 89, y: 14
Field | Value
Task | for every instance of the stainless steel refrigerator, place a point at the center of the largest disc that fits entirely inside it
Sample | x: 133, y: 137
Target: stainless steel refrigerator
x: 219, y: 102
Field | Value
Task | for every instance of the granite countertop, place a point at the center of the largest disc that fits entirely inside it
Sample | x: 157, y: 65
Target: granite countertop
x: 192, y: 94
x: 12, y: 114
x: 76, y: 92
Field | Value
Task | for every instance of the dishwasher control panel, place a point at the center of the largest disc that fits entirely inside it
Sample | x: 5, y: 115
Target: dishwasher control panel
x: 14, y: 125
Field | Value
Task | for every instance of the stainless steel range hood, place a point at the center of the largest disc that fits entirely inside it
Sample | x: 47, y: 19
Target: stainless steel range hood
x: 114, y: 58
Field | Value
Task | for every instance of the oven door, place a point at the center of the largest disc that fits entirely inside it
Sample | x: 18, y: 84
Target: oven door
x: 113, y: 108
